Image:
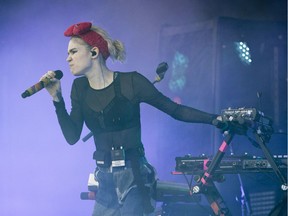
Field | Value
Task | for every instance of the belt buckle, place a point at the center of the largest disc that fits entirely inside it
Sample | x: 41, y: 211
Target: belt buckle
x: 117, y: 157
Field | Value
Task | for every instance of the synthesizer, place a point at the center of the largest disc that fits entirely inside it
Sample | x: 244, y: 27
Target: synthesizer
x: 230, y: 164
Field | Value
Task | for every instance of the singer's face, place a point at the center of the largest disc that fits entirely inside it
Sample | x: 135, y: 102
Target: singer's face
x: 79, y: 57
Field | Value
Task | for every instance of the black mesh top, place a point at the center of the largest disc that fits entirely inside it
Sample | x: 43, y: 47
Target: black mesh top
x: 113, y: 113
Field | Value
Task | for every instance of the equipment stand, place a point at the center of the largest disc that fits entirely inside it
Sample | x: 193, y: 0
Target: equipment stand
x: 207, y: 186
x: 261, y: 141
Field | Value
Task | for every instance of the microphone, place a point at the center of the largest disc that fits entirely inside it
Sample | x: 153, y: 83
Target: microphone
x: 40, y: 85
x: 161, y: 70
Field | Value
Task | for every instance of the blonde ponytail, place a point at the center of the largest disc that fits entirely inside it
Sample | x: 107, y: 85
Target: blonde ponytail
x: 116, y: 47
x: 119, y: 50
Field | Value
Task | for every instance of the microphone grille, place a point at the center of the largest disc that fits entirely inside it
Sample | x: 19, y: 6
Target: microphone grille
x: 58, y: 74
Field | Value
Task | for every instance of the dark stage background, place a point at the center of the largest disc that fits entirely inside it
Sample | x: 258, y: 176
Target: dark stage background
x: 42, y: 175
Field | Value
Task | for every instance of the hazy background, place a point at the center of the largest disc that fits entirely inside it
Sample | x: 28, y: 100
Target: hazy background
x: 41, y: 174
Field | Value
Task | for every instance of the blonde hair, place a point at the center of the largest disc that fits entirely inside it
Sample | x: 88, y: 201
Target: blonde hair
x: 116, y: 47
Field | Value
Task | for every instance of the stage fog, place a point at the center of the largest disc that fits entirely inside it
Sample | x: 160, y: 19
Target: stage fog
x: 43, y: 175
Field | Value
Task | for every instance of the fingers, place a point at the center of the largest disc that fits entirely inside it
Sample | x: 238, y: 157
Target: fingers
x: 219, y: 118
x: 52, y: 85
x: 219, y: 123
x: 50, y: 75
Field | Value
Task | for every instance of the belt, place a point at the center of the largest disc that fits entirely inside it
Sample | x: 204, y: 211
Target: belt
x: 103, y: 158
x: 128, y: 164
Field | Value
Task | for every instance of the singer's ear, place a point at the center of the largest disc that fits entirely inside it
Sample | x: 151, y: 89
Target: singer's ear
x: 94, y: 52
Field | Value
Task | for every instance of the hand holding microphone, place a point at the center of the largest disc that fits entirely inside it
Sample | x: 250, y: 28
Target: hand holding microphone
x: 50, y: 81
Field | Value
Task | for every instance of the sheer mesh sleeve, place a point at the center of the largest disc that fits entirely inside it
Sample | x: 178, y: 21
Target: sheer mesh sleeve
x: 147, y: 92
x: 71, y: 125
